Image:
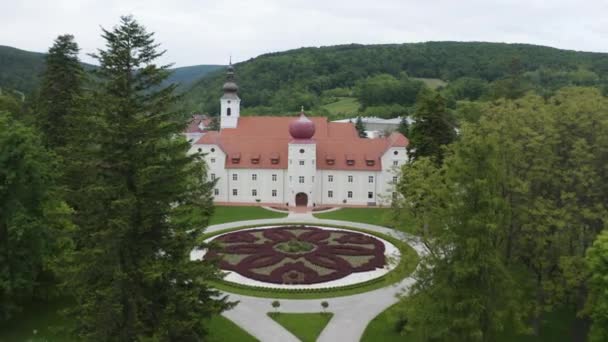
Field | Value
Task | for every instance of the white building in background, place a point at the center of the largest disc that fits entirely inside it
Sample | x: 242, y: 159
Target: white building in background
x: 377, y: 127
x: 297, y: 161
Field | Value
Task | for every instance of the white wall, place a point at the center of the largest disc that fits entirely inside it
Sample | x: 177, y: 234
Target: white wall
x: 317, y: 189
x: 232, y: 120
x: 297, y: 153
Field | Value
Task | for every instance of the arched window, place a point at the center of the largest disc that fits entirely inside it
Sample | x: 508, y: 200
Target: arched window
x: 228, y: 110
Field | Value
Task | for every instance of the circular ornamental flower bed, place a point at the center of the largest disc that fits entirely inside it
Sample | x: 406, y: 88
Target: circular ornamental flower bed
x: 297, y: 255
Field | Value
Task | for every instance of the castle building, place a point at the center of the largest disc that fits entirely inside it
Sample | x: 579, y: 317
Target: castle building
x: 297, y: 161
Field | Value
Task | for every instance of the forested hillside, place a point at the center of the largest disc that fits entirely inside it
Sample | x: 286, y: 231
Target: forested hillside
x: 20, y: 70
x: 314, y: 77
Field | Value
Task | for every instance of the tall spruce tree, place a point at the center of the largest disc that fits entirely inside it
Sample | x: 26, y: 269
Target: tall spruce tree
x: 433, y: 127
x: 404, y: 126
x: 360, y: 127
x: 60, y: 90
x: 142, y: 207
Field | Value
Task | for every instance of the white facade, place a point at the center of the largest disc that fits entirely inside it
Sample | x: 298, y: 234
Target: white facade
x: 230, y: 110
x: 303, y: 180
x: 322, y: 187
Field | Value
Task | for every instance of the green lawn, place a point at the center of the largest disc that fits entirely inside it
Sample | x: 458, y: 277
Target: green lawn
x: 377, y: 216
x: 50, y: 326
x: 305, y: 326
x: 221, y: 329
x: 384, y: 328
x: 224, y: 214
x: 345, y: 105
x: 41, y: 318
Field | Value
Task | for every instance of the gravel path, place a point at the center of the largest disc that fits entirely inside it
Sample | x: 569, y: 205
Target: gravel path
x: 351, y: 313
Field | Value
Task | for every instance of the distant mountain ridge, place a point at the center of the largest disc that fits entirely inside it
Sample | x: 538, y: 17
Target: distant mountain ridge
x: 20, y: 70
x: 281, y: 82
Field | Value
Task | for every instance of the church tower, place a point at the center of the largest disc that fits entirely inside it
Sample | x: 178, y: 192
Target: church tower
x: 230, y: 103
x: 302, y: 152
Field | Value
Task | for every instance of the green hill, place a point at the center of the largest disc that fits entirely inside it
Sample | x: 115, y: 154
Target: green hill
x: 186, y: 76
x: 21, y: 70
x: 281, y: 82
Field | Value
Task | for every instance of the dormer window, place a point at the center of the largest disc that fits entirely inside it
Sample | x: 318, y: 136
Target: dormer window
x: 350, y: 160
x: 330, y: 159
x: 274, y: 158
x: 369, y: 161
x: 255, y: 159
x: 236, y: 158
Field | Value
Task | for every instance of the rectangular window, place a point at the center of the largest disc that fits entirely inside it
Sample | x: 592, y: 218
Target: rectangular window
x: 395, y: 179
x: 301, y: 179
x: 274, y: 178
x: 216, y: 192
x: 254, y: 192
x: 254, y: 177
x: 212, y: 160
x: 235, y: 177
x: 235, y: 192
x: 370, y: 179
x: 350, y: 179
x: 313, y: 179
x: 350, y: 194
x: 274, y: 193
x: 301, y: 162
x: 395, y: 162
x: 370, y: 195
x: 212, y: 176
x: 330, y: 194
x: 330, y: 178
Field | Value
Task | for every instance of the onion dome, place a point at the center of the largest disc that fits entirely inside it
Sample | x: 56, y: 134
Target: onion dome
x: 230, y: 86
x: 302, y: 128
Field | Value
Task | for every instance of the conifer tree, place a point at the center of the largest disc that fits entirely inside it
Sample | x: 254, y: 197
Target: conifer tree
x: 60, y: 91
x: 433, y: 127
x: 360, y: 127
x: 142, y: 207
x: 404, y: 126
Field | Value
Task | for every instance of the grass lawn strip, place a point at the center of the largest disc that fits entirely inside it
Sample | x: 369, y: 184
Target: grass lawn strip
x: 42, y: 322
x: 386, y: 326
x: 376, y: 216
x: 225, y: 214
x: 305, y: 326
x: 409, y: 261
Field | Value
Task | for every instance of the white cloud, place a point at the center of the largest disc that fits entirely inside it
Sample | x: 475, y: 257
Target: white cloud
x: 206, y: 32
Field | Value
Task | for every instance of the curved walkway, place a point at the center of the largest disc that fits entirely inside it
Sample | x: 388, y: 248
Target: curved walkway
x: 351, y: 313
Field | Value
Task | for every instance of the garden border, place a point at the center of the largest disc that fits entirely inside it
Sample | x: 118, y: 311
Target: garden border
x: 405, y: 268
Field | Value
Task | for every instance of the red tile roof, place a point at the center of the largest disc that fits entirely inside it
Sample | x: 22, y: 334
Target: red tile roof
x: 194, y: 125
x: 267, y: 137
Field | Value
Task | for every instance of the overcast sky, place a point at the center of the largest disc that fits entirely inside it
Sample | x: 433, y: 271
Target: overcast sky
x: 208, y: 32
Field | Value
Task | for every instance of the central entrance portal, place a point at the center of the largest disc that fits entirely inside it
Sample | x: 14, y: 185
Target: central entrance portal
x: 301, y: 199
